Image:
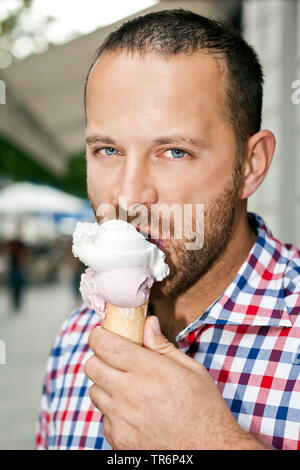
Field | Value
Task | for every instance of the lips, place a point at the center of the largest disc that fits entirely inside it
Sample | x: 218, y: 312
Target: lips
x: 151, y: 238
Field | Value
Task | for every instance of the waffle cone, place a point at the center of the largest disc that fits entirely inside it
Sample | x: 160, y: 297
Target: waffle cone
x: 127, y: 322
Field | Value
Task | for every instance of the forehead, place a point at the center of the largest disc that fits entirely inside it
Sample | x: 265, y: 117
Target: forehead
x: 181, y: 84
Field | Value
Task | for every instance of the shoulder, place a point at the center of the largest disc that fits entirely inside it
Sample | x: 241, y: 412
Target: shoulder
x: 71, y: 339
x: 78, y: 321
x: 292, y: 272
x: 291, y: 281
x: 76, y: 325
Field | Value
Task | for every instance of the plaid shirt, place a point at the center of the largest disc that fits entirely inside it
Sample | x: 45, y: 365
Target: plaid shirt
x: 248, y: 339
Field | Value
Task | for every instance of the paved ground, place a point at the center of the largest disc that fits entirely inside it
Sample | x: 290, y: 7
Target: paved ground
x: 28, y: 337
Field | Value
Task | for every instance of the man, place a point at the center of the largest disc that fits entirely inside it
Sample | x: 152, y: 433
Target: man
x: 173, y: 106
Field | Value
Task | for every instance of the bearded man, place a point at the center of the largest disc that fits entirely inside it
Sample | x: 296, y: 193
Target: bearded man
x: 173, y: 108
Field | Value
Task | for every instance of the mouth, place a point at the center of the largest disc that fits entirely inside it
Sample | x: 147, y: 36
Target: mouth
x: 154, y: 239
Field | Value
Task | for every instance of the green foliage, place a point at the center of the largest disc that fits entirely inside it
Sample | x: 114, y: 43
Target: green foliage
x: 13, y: 28
x: 74, y: 180
x: 17, y: 165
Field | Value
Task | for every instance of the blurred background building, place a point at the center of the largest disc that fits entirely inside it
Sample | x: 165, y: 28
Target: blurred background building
x: 46, y: 47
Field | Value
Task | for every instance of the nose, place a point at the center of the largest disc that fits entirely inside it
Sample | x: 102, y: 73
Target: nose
x: 136, y: 182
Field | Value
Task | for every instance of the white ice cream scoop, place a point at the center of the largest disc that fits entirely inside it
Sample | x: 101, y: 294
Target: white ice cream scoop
x: 115, y: 244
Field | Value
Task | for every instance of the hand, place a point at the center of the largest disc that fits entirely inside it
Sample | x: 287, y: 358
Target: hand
x: 157, y: 397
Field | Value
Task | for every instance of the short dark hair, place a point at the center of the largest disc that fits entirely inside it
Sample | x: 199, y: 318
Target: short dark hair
x: 179, y: 31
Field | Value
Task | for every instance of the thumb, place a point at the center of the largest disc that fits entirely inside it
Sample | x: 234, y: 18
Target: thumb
x: 153, y: 337
x: 155, y: 340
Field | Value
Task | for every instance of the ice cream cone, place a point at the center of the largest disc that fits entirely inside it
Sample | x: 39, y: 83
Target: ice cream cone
x: 127, y: 322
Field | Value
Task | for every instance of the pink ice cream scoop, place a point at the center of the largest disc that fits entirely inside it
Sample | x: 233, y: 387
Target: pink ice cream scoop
x: 89, y: 292
x: 122, y: 287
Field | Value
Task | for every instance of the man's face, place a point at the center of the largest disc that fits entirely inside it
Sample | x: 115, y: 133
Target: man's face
x: 146, y: 107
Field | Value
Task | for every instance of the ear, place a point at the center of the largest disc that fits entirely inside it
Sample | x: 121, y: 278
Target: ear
x: 261, y: 147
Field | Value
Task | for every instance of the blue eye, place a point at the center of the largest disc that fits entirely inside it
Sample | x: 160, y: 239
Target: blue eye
x: 110, y: 149
x: 177, y: 153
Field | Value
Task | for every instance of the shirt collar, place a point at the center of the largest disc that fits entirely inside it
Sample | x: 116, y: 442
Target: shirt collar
x: 255, y: 296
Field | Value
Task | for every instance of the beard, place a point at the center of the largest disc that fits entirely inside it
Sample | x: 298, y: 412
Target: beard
x: 186, y: 265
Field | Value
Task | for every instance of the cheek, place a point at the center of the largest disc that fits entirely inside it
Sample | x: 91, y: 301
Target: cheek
x: 216, y: 175
x: 213, y: 176
x: 217, y: 165
x: 99, y: 184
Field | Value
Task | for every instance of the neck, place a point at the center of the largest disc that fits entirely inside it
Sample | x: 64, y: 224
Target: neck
x: 178, y: 312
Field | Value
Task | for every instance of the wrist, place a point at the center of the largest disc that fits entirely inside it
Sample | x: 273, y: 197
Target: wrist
x: 238, y: 439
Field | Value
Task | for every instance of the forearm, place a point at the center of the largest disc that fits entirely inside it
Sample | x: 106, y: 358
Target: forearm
x: 238, y: 439
x: 225, y: 434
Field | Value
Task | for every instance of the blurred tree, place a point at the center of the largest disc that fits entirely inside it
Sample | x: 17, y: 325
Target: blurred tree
x: 17, y: 165
x: 17, y: 36
x: 74, y: 179
x: 23, y: 33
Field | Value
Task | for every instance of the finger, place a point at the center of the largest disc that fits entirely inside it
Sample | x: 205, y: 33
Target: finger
x: 156, y: 341
x: 116, y: 351
x: 103, y: 375
x: 106, y: 424
x: 100, y: 399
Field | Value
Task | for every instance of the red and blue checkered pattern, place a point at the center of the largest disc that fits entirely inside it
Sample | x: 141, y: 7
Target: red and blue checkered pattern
x: 248, y: 339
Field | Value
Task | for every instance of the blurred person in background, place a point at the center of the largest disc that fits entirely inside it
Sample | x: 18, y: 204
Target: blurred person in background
x: 16, y: 262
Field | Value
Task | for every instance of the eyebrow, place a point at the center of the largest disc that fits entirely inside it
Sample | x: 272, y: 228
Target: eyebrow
x: 176, y: 138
